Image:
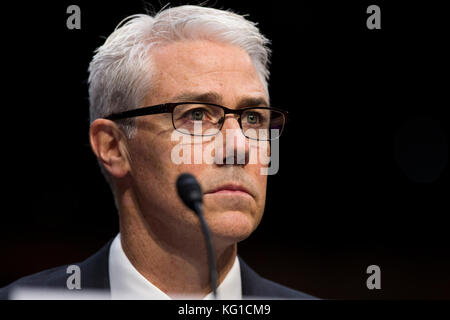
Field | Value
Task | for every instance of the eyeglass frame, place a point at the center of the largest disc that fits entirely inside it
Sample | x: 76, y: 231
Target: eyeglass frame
x: 170, y: 106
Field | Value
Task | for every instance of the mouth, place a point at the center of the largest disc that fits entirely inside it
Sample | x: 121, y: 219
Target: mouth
x: 230, y: 189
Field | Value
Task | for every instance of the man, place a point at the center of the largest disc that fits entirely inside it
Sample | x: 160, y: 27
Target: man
x: 177, y: 70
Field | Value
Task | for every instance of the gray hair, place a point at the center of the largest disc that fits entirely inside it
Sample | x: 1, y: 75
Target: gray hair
x: 120, y: 72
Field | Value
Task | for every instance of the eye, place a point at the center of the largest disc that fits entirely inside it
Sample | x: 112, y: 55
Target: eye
x: 252, y: 118
x: 197, y: 114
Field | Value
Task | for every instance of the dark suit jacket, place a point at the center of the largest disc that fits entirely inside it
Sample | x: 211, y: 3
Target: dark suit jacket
x: 95, y: 275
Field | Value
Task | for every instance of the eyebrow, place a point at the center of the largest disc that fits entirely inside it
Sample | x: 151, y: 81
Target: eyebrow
x: 214, y: 97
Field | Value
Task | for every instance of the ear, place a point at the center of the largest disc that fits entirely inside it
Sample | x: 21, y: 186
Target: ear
x: 108, y: 144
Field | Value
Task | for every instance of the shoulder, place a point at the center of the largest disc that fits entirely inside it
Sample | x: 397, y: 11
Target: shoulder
x: 255, y: 286
x: 94, y: 275
x: 55, y: 277
x: 278, y: 291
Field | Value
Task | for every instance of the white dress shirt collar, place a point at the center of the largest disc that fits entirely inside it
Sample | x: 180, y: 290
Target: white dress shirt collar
x: 127, y: 283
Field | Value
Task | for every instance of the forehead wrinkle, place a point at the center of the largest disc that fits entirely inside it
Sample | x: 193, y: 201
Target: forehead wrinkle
x: 216, y: 98
x: 210, y: 96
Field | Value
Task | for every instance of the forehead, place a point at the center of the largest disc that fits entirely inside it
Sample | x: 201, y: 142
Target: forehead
x: 203, y: 66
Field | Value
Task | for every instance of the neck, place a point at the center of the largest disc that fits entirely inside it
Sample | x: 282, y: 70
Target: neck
x: 175, y: 262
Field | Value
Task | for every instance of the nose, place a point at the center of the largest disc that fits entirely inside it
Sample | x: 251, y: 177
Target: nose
x: 230, y: 121
x: 235, y: 144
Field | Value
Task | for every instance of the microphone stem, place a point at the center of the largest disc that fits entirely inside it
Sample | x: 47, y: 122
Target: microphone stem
x: 209, y: 247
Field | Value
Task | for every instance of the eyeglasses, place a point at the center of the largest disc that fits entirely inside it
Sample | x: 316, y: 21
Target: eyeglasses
x: 207, y: 119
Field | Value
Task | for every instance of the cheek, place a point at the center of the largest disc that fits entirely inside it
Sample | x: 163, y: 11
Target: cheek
x: 154, y: 174
x: 152, y: 154
x: 259, y: 161
x: 261, y: 185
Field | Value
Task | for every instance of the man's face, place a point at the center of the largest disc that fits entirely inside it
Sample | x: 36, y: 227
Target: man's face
x: 188, y: 71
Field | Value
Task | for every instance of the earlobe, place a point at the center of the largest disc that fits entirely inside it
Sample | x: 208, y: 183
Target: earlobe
x: 106, y: 141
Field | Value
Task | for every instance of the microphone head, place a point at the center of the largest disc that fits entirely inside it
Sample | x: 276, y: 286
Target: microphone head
x: 189, y: 190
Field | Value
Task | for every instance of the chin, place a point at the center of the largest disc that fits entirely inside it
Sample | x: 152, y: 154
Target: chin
x: 232, y: 226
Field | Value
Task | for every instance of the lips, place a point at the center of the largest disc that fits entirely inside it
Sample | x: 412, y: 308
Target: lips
x: 232, y: 189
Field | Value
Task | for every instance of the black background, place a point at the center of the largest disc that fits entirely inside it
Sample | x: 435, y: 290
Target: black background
x: 363, y: 164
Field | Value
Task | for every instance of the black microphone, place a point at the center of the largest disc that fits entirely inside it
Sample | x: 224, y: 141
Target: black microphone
x: 191, y: 193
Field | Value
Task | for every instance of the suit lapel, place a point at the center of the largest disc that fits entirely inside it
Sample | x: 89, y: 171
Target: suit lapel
x: 95, y: 270
x: 250, y: 280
